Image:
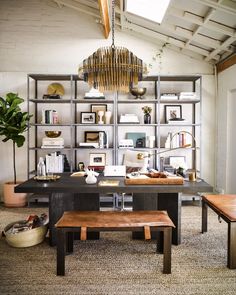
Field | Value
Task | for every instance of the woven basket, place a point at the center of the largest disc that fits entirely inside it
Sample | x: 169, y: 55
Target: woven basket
x: 26, y: 238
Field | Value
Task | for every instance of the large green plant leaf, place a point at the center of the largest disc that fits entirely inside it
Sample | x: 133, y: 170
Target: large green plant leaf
x: 13, y: 122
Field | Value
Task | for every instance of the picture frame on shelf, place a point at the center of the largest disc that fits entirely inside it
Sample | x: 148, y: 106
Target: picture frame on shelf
x: 91, y: 136
x: 173, y: 113
x: 95, y: 108
x: 97, y: 159
x: 88, y: 117
x: 139, y: 138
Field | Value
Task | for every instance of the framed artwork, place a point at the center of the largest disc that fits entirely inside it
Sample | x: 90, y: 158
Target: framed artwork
x: 91, y: 136
x: 87, y: 118
x: 97, y: 159
x: 139, y: 138
x: 98, y: 107
x: 173, y: 113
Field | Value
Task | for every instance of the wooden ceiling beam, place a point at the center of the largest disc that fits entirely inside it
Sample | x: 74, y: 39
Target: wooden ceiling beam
x: 104, y: 13
x: 221, y: 66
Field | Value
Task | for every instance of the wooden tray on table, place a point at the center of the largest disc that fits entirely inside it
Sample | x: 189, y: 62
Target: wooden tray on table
x: 155, y: 178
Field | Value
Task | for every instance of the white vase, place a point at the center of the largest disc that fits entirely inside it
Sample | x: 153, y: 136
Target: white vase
x: 91, y: 178
x: 108, y: 117
x: 100, y: 116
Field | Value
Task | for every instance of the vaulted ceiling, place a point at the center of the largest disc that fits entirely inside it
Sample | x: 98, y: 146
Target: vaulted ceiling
x: 202, y: 29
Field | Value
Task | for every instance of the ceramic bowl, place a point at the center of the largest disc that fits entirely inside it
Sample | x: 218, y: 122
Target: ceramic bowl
x: 138, y: 91
x: 53, y: 134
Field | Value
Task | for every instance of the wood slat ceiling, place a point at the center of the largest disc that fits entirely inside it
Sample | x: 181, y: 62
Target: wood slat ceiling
x: 202, y: 29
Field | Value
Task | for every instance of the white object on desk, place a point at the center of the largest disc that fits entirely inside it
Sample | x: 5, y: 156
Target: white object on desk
x: 115, y: 170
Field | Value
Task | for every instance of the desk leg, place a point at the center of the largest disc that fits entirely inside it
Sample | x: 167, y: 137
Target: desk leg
x: 144, y: 202
x: 87, y: 202
x: 171, y: 202
x: 58, y: 203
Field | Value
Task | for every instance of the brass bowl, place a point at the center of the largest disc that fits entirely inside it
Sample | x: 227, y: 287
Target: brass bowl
x: 53, y: 134
x: 138, y: 91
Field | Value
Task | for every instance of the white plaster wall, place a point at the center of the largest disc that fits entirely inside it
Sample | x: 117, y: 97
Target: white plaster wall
x: 36, y: 36
x: 226, y: 85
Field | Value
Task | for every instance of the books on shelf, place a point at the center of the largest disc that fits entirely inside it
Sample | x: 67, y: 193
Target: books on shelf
x: 49, y: 117
x: 188, y: 95
x: 180, y: 139
x: 89, y: 144
x: 94, y: 94
x: 169, y: 96
x: 129, y: 118
x: 52, y: 143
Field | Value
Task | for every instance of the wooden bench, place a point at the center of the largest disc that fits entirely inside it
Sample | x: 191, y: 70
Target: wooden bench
x: 84, y: 221
x: 225, y: 207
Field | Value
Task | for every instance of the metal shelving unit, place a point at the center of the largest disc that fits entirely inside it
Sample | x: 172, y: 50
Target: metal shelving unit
x: 73, y: 126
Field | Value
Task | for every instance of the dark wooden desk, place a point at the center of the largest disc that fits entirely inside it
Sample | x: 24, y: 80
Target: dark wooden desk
x: 72, y: 193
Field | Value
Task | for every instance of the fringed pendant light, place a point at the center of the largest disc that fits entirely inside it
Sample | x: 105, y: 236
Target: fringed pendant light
x: 112, y: 68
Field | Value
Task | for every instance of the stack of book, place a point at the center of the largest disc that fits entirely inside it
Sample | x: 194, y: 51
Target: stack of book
x: 169, y: 96
x: 188, y: 95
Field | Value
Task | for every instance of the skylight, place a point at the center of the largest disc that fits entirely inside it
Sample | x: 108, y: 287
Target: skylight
x: 153, y: 10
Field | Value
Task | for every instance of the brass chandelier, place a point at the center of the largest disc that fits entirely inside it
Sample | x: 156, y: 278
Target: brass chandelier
x: 112, y: 68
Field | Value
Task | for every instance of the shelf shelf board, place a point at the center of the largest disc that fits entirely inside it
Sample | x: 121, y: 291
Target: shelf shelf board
x: 49, y: 149
x: 93, y: 125
x: 98, y: 101
x: 155, y: 148
x: 40, y: 100
x: 173, y: 78
x: 58, y: 77
x: 143, y: 101
x: 49, y: 125
x: 179, y: 101
x: 136, y: 124
x: 92, y: 148
x: 180, y: 125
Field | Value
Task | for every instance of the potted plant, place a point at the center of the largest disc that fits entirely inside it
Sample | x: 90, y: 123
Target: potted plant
x: 147, y: 114
x: 13, y: 123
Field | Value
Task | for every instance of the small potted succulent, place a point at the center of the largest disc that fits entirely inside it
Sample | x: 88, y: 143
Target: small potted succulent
x: 13, y: 123
x: 147, y: 114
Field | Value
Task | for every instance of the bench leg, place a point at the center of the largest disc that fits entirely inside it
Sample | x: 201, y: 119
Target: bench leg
x: 167, y: 250
x: 160, y: 242
x: 204, y: 216
x: 60, y: 252
x: 231, y: 261
x: 69, y: 242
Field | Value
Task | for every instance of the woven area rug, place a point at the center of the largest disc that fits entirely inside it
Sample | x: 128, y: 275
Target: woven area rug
x: 116, y: 264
